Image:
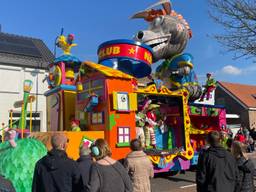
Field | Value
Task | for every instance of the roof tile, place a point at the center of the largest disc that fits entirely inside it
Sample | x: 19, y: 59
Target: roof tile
x: 244, y: 93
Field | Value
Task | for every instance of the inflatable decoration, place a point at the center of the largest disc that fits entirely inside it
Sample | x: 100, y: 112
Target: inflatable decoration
x: 64, y: 68
x: 128, y: 56
x: 17, y: 164
x: 178, y: 73
x: 168, y: 35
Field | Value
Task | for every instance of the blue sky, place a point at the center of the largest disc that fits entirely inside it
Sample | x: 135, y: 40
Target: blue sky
x: 94, y: 22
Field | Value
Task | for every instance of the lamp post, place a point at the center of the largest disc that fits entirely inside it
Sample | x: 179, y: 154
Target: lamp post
x: 27, y: 86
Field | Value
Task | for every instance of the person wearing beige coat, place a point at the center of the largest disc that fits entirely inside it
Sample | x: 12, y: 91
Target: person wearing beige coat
x: 139, y: 167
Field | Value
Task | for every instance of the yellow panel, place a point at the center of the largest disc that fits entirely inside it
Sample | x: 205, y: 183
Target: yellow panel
x: 69, y: 108
x: 115, y: 100
x: 110, y: 72
x: 133, y: 101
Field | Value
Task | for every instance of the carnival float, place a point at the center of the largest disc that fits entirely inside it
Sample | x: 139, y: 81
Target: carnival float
x: 88, y: 100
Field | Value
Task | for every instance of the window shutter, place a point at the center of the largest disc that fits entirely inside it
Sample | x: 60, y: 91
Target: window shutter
x: 133, y: 101
x: 115, y: 100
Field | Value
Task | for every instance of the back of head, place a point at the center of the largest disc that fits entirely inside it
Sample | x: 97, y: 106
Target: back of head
x: 59, y: 141
x: 100, y: 149
x: 238, y: 149
x: 84, y: 151
x: 213, y: 138
x: 136, y: 145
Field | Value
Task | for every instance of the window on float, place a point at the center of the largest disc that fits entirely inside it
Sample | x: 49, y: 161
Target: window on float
x: 123, y: 136
x: 90, y: 87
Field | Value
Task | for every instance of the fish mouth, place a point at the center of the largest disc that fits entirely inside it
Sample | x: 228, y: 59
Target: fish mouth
x: 158, y: 42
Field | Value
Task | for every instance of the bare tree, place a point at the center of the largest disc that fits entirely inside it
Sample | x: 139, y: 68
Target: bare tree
x: 238, y: 17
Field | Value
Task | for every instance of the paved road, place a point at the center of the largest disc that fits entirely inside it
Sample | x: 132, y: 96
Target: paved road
x: 181, y: 182
x: 177, y: 183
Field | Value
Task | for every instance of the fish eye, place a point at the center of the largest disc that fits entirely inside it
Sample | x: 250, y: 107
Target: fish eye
x: 158, y: 21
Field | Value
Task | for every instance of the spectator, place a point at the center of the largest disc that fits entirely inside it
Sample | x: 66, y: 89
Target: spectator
x: 240, y: 137
x: 217, y: 170
x: 229, y: 144
x: 84, y: 165
x: 246, y: 133
x: 107, y: 174
x: 245, y: 166
x: 55, y: 172
x: 140, y: 168
x: 6, y: 185
x: 253, y: 133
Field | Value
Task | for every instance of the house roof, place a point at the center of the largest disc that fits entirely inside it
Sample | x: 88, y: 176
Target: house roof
x: 244, y: 93
x: 109, y: 72
x: 24, y: 51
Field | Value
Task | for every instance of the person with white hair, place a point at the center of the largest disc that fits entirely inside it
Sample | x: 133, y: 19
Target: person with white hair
x: 84, y: 164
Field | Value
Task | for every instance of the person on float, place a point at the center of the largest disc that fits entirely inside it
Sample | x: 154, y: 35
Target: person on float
x: 75, y: 125
x: 151, y: 119
x: 209, y: 87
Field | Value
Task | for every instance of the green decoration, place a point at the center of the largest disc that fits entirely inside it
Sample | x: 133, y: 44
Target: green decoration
x: 195, y: 110
x: 112, y: 121
x: 17, y: 164
x: 170, y: 136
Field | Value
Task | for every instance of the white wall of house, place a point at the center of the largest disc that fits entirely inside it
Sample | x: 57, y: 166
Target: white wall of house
x: 11, y: 90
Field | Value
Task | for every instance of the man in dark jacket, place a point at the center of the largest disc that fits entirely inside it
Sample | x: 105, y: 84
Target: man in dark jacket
x: 55, y: 172
x: 84, y: 164
x: 217, y: 170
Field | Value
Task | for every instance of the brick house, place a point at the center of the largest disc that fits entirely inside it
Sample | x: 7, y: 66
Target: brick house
x: 239, y: 99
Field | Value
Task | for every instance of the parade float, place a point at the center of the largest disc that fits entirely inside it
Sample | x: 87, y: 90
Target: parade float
x: 107, y: 101
x: 88, y: 100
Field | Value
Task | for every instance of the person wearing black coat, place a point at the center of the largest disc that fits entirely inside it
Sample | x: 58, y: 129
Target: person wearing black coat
x: 216, y: 170
x: 84, y: 165
x: 245, y: 166
x: 55, y: 172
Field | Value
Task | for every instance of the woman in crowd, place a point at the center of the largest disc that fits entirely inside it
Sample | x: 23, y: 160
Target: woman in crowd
x: 107, y: 174
x: 245, y: 166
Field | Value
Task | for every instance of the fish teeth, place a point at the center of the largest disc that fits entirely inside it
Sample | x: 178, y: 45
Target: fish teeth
x: 160, y: 40
x: 158, y: 47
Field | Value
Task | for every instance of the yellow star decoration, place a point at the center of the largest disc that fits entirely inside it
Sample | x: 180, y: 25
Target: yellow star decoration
x: 131, y: 51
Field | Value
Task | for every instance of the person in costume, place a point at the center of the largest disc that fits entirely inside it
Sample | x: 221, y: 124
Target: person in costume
x: 75, y: 125
x: 210, y: 86
x: 149, y: 128
x: 140, y: 121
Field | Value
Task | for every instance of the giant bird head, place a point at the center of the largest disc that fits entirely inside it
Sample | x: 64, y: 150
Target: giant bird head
x: 168, y: 32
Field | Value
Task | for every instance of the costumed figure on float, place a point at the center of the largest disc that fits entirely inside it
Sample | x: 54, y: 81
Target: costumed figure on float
x: 209, y: 87
x: 168, y: 35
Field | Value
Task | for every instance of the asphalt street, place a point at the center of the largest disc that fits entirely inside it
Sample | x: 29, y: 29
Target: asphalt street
x: 177, y: 183
x: 180, y: 182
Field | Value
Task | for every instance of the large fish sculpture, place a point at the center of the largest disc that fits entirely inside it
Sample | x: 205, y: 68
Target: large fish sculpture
x: 168, y: 35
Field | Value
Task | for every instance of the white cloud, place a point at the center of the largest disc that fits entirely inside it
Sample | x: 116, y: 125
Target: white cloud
x: 232, y: 70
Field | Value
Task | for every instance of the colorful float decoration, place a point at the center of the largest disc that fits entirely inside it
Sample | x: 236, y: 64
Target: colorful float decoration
x: 128, y: 56
x: 88, y: 100
x: 168, y: 36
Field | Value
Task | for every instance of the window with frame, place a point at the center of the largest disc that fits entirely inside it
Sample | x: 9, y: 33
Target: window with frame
x: 98, y: 118
x: 123, y: 136
x: 95, y: 86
